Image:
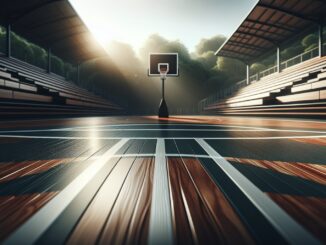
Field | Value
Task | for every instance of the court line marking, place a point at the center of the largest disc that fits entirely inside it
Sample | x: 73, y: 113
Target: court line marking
x: 139, y: 129
x: 163, y: 124
x: 167, y: 155
x: 34, y: 227
x: 153, y: 138
x: 160, y: 223
x: 199, y: 125
x: 291, y: 231
x: 208, y: 130
x: 239, y: 129
x: 172, y: 129
x: 122, y: 127
x: 168, y: 129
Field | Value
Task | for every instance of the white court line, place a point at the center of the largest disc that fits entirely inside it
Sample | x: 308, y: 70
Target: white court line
x: 93, y: 128
x: 165, y: 124
x: 171, y: 129
x: 240, y: 129
x: 188, y: 130
x: 140, y: 129
x: 278, y: 218
x: 34, y: 227
x: 157, y: 124
x: 160, y: 223
x: 167, y: 155
x: 245, y: 129
x: 135, y: 155
x: 152, y: 138
x: 204, y: 130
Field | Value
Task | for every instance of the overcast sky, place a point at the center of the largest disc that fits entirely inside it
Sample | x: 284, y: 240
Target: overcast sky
x: 132, y: 21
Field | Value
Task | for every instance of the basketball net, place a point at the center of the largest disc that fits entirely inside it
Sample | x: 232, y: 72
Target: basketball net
x: 163, y: 69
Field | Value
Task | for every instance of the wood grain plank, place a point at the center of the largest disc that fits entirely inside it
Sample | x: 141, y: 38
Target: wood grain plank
x: 316, y: 141
x: 308, y: 171
x: 91, y: 224
x: 201, y: 212
x: 14, y: 170
x: 224, y: 215
x: 182, y: 226
x: 308, y: 211
x: 129, y: 219
x: 19, y: 208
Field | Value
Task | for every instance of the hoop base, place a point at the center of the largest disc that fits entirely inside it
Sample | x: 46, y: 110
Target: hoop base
x: 163, y: 109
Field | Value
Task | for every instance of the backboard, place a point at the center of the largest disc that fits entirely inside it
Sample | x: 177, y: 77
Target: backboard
x: 163, y: 61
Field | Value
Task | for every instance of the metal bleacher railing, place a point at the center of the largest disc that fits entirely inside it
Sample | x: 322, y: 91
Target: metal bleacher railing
x: 224, y: 93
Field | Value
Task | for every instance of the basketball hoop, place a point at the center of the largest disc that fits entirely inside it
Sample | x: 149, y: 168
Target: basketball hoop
x: 163, y: 69
x: 163, y: 65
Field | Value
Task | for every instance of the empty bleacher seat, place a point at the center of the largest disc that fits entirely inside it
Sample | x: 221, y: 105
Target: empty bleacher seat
x: 305, y: 82
x: 25, y: 83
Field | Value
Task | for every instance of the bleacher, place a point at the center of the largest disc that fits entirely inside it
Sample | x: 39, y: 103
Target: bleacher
x: 59, y: 32
x: 293, y: 83
x: 29, y: 90
x: 297, y: 90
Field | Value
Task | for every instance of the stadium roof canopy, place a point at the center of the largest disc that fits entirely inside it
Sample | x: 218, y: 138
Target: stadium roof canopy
x: 51, y: 24
x: 270, y: 23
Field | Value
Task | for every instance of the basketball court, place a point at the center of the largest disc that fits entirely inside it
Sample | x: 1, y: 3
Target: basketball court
x: 231, y: 179
x: 248, y: 166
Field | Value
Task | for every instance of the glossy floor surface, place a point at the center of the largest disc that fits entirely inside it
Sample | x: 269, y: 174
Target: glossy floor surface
x: 182, y: 180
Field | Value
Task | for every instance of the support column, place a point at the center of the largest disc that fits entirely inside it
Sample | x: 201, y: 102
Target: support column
x: 278, y: 63
x: 8, y: 40
x: 320, y: 40
x: 163, y: 108
x: 49, y: 61
x: 248, y: 74
x: 163, y: 89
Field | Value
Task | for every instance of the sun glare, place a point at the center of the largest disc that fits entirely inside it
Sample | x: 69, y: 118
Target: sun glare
x: 103, y: 37
x: 132, y: 22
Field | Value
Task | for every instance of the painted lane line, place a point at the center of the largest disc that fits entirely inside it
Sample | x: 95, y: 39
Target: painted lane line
x: 164, y: 124
x: 149, y: 138
x: 167, y: 155
x: 121, y: 126
x: 33, y: 228
x: 240, y: 128
x: 201, y: 130
x: 168, y: 129
x: 279, y: 219
x: 135, y: 155
x: 142, y: 129
x: 152, y: 124
x: 160, y: 223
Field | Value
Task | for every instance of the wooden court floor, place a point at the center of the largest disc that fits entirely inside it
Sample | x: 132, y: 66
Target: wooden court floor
x: 182, y: 180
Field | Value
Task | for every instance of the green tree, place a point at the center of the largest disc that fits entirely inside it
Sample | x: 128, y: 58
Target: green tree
x: 210, y: 44
x: 21, y: 48
x: 39, y: 56
x: 257, y: 67
x: 309, y: 40
x: 57, y: 65
x: 2, y: 40
x: 292, y: 51
x: 234, y: 69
